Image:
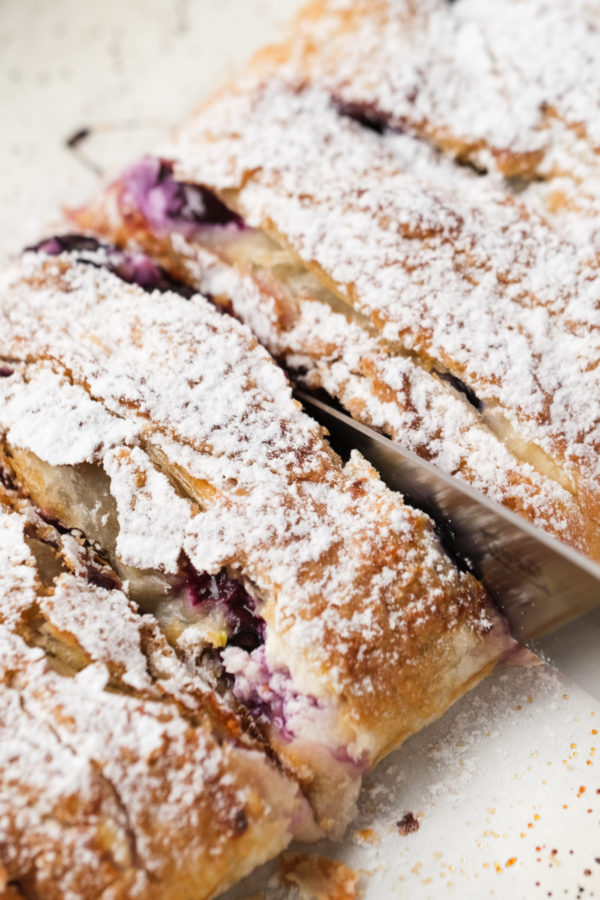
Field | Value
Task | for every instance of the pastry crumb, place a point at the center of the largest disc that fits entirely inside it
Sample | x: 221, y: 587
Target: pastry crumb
x: 318, y: 877
x: 364, y: 836
x: 407, y: 824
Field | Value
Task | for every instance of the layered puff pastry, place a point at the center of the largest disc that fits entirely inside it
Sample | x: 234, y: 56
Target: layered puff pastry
x: 427, y: 300
x: 158, y: 428
x: 122, y: 773
x: 509, y: 88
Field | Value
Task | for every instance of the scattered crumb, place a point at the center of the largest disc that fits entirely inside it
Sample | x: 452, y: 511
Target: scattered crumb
x: 407, y: 824
x: 318, y: 878
x: 364, y: 836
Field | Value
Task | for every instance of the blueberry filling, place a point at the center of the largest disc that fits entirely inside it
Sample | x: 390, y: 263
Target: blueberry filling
x: 149, y: 188
x: 103, y: 578
x: 67, y: 243
x: 462, y: 388
x: 131, y: 266
x: 269, y: 694
x: 245, y: 628
x: 6, y: 372
x: 364, y: 114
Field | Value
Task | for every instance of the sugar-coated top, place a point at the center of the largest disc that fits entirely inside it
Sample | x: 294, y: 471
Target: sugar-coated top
x: 512, y: 85
x: 166, y: 354
x: 354, y: 584
x: 389, y: 389
x: 455, y: 270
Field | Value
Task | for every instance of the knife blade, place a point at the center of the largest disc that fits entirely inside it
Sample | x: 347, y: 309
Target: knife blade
x: 545, y: 589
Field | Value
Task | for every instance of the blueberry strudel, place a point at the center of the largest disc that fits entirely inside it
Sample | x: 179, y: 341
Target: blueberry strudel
x: 509, y: 88
x: 158, y: 428
x: 427, y: 300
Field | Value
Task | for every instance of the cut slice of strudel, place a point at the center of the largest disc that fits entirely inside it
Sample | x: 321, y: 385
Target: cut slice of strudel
x: 424, y: 298
x: 122, y: 773
x: 161, y: 430
x: 510, y: 88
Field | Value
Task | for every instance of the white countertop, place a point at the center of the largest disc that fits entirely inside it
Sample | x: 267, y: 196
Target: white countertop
x: 506, y: 786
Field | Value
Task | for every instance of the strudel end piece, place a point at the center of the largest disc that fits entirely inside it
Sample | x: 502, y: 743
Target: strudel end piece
x: 159, y: 428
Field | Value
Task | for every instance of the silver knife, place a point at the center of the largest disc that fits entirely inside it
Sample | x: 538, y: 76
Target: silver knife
x: 549, y: 593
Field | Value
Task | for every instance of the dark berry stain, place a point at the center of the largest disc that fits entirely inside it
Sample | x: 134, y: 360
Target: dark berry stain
x: 7, y: 481
x: 102, y: 578
x: 241, y: 822
x: 132, y: 267
x: 407, y: 824
x: 51, y: 519
x: 462, y: 388
x: 364, y: 114
x: 5, y: 372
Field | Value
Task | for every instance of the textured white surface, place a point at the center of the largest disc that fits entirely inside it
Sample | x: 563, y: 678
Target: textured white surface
x: 501, y: 774
x: 507, y: 803
x: 128, y: 71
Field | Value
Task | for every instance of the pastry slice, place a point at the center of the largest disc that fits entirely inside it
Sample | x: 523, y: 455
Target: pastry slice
x: 426, y: 300
x: 510, y: 86
x: 122, y: 774
x: 161, y: 430
x: 458, y: 275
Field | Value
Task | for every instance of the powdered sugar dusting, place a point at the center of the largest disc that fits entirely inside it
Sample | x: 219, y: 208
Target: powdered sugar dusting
x: 354, y: 585
x: 152, y: 516
x: 458, y: 273
x: 103, y: 623
x: 386, y: 389
x: 505, y: 84
x: 78, y: 428
x: 86, y: 772
x: 18, y: 578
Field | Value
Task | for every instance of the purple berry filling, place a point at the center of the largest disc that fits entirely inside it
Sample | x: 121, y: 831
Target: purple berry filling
x: 67, y: 243
x: 131, y: 266
x: 246, y: 629
x: 149, y: 188
x: 365, y: 114
x: 269, y: 694
x: 459, y: 385
x: 6, y: 372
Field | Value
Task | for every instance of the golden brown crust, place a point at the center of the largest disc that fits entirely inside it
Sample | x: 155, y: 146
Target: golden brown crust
x: 443, y: 264
x: 328, y: 550
x: 295, y: 316
x: 319, y: 877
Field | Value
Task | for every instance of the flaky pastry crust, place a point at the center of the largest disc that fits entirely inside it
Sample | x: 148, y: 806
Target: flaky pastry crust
x: 370, y: 629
